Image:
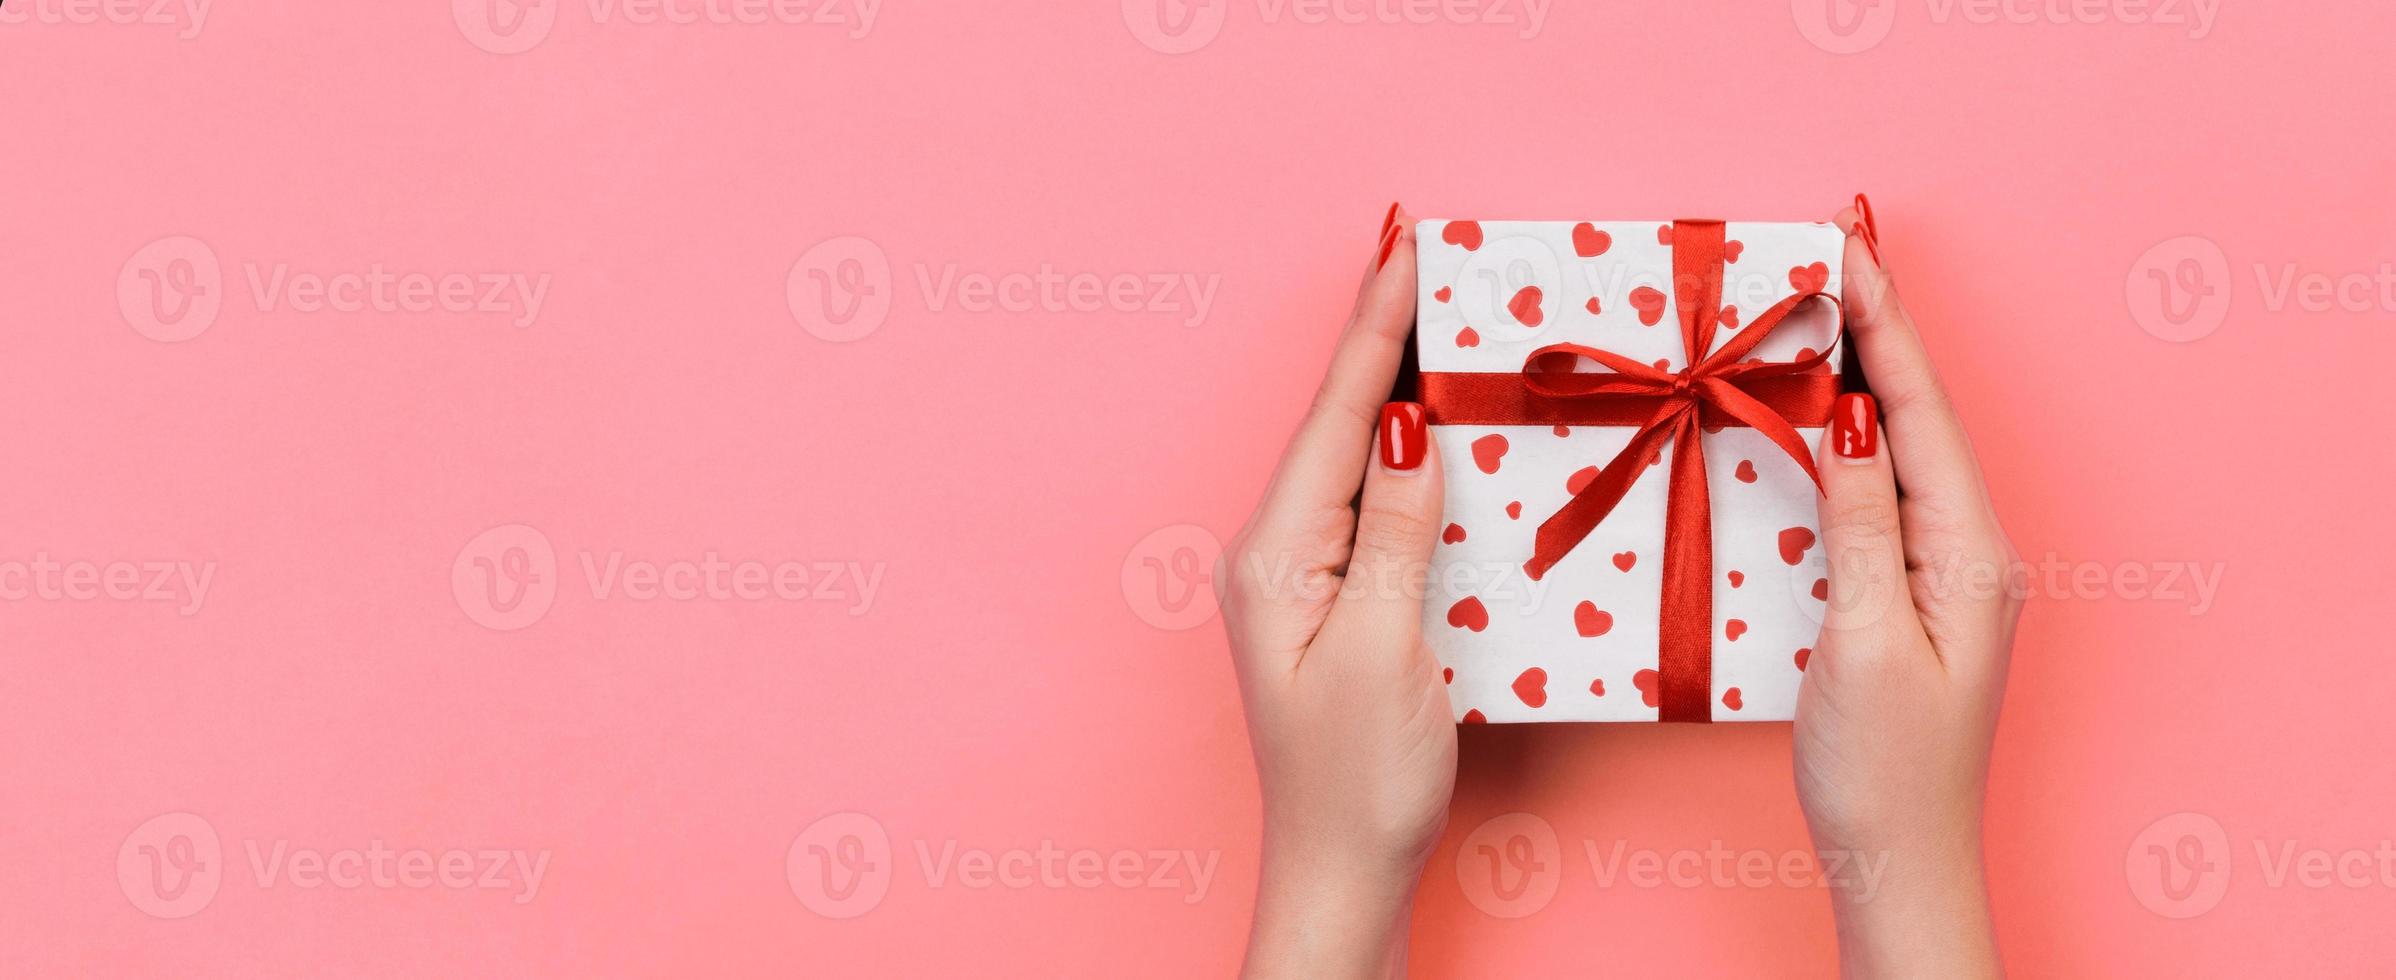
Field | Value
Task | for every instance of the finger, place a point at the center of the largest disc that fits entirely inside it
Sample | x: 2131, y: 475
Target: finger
x: 1397, y: 523
x: 1945, y: 500
x: 1862, y: 536
x: 1325, y: 460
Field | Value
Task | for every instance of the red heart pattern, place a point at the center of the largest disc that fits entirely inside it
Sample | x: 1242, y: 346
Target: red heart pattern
x: 1822, y: 589
x: 1443, y: 294
x: 1475, y: 717
x: 1810, y: 278
x: 1663, y: 234
x: 1729, y: 317
x: 1588, y: 620
x: 1746, y: 471
x: 1591, y: 306
x: 1624, y: 560
x: 1491, y: 448
x: 1645, y: 681
x: 1464, y: 233
x: 1731, y: 699
x: 1469, y: 614
x: 1649, y: 301
x: 1793, y: 543
x: 1598, y: 687
x: 1731, y: 250
x: 1468, y: 337
x: 1588, y: 242
x: 1579, y: 479
x: 1804, y: 654
x: 1737, y: 578
x: 1525, y: 306
x: 1453, y: 535
x: 1448, y: 674
x: 1734, y: 629
x: 1514, y: 509
x: 1531, y: 687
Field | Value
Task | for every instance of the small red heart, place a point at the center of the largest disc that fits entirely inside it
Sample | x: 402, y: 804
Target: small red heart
x: 1443, y: 294
x: 1803, y: 354
x: 1649, y: 301
x: 1591, y: 306
x: 1563, y: 430
x: 1598, y: 687
x: 1645, y: 681
x: 1514, y: 509
x: 1663, y: 234
x: 1580, y: 478
x: 1468, y: 337
x: 1590, y: 620
x: 1731, y: 250
x: 1731, y: 699
x: 1746, y: 471
x: 1810, y: 278
x: 1531, y: 687
x: 1663, y: 364
x: 1730, y: 317
x: 1803, y: 655
x: 1453, y: 534
x: 1734, y: 629
x: 1448, y: 674
x: 1626, y: 559
x: 1474, y: 717
x: 1737, y: 578
x: 1793, y: 543
x: 1525, y: 306
x: 1589, y: 242
x: 1465, y: 233
x: 1468, y: 613
x: 1488, y: 450
x: 1822, y: 589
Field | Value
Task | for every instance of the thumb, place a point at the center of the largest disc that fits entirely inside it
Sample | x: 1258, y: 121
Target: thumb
x: 1860, y: 536
x: 1397, y: 523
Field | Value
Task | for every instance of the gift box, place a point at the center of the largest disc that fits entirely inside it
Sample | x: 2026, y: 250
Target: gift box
x: 1627, y: 413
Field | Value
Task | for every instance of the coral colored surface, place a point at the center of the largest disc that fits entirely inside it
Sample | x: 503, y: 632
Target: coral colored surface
x: 499, y: 490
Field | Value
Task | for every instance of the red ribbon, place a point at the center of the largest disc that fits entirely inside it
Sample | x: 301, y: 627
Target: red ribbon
x: 1712, y: 392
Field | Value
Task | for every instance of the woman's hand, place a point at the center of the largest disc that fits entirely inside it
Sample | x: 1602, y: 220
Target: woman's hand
x: 1901, y: 693
x: 1322, y: 595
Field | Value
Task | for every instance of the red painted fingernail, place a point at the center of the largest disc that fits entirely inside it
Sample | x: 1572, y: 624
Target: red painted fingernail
x: 1855, y: 426
x: 1389, y: 241
x: 1403, y: 439
x: 1866, y: 228
x: 1389, y: 219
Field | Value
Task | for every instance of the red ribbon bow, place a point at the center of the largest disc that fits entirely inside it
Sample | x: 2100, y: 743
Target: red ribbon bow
x: 1713, y: 391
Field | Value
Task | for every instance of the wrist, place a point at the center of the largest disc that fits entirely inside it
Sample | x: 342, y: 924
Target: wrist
x: 1328, y: 911
x: 1912, y: 909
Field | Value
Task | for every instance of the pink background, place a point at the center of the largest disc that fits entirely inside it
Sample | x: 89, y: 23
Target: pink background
x: 1007, y: 685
